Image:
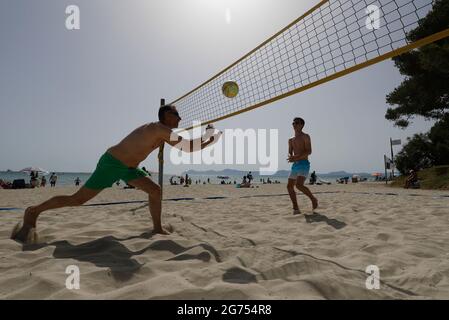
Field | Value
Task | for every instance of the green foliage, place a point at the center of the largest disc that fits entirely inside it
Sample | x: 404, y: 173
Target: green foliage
x: 424, y: 92
x: 416, y: 154
x: 425, y: 150
x: 425, y: 89
x: 431, y: 178
x: 439, y: 137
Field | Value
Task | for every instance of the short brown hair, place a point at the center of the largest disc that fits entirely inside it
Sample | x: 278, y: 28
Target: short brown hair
x: 300, y: 120
x: 163, y: 110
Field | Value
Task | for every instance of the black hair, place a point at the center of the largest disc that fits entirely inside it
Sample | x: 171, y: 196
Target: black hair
x: 163, y: 110
x: 300, y: 120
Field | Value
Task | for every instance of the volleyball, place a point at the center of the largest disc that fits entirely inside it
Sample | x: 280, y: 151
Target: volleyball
x: 230, y: 89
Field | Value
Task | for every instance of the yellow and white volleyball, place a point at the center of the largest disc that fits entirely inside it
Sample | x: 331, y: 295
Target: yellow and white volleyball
x: 230, y: 89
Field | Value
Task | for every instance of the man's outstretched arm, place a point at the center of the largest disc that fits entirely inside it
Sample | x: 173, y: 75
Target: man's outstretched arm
x: 188, y: 145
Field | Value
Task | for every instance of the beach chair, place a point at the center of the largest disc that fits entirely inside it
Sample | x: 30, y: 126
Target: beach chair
x: 19, y: 184
x: 415, y: 185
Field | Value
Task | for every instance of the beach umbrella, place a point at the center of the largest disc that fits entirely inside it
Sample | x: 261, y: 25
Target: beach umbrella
x: 376, y: 174
x: 35, y: 169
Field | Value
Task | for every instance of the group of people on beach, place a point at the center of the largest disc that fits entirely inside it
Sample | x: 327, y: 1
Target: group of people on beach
x: 121, y: 161
x: 180, y: 180
x: 35, y: 182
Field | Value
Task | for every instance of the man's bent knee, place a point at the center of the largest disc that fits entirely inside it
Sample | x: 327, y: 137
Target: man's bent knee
x: 154, y: 191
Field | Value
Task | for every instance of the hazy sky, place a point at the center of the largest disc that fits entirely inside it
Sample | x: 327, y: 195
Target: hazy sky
x: 66, y: 96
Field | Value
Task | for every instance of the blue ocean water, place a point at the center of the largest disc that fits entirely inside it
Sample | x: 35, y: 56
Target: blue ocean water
x: 68, y: 178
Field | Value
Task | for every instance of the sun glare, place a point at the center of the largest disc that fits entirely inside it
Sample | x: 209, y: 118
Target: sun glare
x: 228, y: 16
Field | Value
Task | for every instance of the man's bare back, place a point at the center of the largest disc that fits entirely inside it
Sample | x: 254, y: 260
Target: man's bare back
x: 136, y: 147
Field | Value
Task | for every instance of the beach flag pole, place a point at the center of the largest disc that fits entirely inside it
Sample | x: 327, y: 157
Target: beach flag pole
x: 392, y: 159
x: 160, y: 156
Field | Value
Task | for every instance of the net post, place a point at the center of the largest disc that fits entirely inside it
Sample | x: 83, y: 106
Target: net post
x: 160, y: 157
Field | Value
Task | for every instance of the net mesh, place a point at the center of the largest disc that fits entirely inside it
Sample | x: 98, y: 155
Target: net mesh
x: 334, y: 36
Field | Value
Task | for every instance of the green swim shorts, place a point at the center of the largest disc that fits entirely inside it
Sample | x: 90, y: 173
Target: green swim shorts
x: 110, y: 170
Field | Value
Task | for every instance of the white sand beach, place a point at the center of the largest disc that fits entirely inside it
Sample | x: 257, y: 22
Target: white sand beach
x: 233, y: 247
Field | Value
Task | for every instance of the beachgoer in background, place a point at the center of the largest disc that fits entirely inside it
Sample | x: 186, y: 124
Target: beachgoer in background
x: 53, y: 179
x: 313, y: 178
x: 43, y: 181
x: 188, y: 181
x: 412, y: 179
x: 77, y: 181
x: 250, y: 177
x: 5, y: 184
x: 245, y: 183
x: 34, y: 179
x: 299, y: 149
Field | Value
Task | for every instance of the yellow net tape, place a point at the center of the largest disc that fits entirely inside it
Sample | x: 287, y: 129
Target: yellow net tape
x: 334, y: 38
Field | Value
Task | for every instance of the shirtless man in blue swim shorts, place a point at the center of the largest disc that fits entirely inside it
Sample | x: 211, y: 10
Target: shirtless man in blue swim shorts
x: 299, y: 149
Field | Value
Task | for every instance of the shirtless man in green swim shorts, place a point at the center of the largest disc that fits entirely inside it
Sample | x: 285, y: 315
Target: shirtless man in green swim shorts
x: 120, y: 162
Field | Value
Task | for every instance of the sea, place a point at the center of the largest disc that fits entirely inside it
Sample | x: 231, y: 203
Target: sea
x: 68, y: 178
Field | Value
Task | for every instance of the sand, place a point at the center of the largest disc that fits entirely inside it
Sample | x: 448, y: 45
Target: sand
x: 233, y: 247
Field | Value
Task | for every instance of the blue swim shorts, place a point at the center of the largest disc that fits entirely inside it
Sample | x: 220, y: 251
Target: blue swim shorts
x: 300, y: 168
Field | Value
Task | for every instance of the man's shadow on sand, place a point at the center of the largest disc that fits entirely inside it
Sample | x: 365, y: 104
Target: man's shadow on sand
x: 109, y: 252
x: 317, y: 217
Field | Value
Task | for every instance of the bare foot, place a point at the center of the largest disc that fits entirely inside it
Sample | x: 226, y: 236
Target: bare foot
x: 314, y: 203
x: 161, y: 231
x: 296, y: 211
x: 26, y: 232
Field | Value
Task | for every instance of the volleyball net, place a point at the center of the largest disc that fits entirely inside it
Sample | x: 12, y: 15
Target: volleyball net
x: 332, y: 39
